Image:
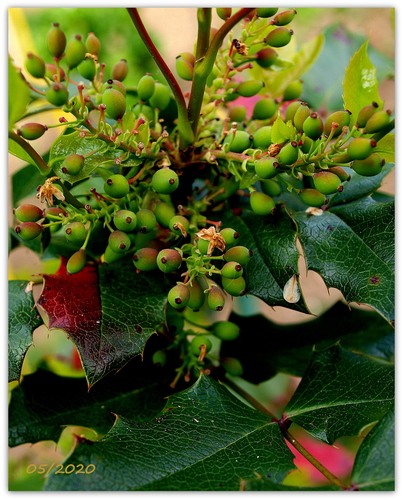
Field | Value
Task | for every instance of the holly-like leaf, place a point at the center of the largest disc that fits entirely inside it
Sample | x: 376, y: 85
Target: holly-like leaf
x: 272, y: 240
x: 340, y: 393
x: 385, y: 148
x: 360, y: 86
x: 374, y: 466
x: 346, y: 262
x: 19, y: 98
x: 23, y: 319
x: 204, y: 439
x: 265, y: 348
x: 109, y: 316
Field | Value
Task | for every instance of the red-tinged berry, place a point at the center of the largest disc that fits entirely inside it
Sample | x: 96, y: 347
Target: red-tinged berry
x: 239, y: 254
x: 225, y: 330
x: 285, y: 17
x: 360, y: 148
x: 179, y: 296
x: 216, y: 299
x: 161, y: 97
x: 114, y: 84
x: 266, y: 57
x: 267, y: 167
x: 249, y: 88
x: 119, y: 241
x: 224, y: 13
x: 28, y: 230
x: 197, y: 296
x: 289, y: 153
x: 56, y: 40
x: 51, y: 72
x: 87, y: 68
x: 75, y: 232
x: 232, y: 270
x: 313, y: 126
x: 92, y: 44
x: 235, y: 287
x: 365, y: 114
x: 75, y: 51
x: 57, y: 94
x: 262, y: 137
x: 32, y: 131
x: 76, y: 262
x: 377, y: 122
x: 164, y: 213
x: 312, y: 197
x: 232, y: 366
x: 238, y: 141
x: 370, y: 166
x: 120, y: 70
x: 266, y: 11
x: 117, y: 186
x: 326, y: 182
x: 169, y: 260
x: 73, y: 164
x: 145, y: 259
x: 340, y: 118
x: 146, y: 87
x: 264, y: 109
x: 56, y: 211
x: 115, y: 103
x: 261, y: 203
x: 35, y: 65
x: 279, y: 37
x: 184, y: 69
x: 237, y: 114
x: 28, y: 213
x: 165, y: 181
x: 340, y: 172
x: 200, y: 344
x: 146, y: 220
x: 125, y: 220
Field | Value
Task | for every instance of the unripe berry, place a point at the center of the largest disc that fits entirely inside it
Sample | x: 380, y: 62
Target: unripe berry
x: 117, y: 186
x: 56, y: 40
x: 115, y: 103
x: 340, y: 172
x: 293, y: 90
x: 270, y: 187
x: 184, y: 69
x: 57, y: 211
x: 142, y: 109
x: 312, y: 197
x: 146, y: 220
x: 73, y: 164
x: 111, y: 256
x: 370, y: 166
x: 225, y: 330
x: 203, y: 246
x: 239, y: 254
x: 188, y: 56
x: 305, y: 144
x: 200, y: 342
x: 35, y: 65
x: 119, y: 241
x: 237, y: 114
x: 285, y: 17
x: 266, y: 57
x: 224, y: 13
x: 216, y: 299
x: 196, y: 295
x: 125, y: 220
x: 313, y: 126
x: 87, y: 68
x: 146, y: 87
x: 266, y: 167
x: 262, y: 137
x: 291, y: 110
x: 169, y: 260
x: 164, y: 213
x: 289, y: 153
x: 235, y: 287
x: 230, y: 236
x: 279, y: 37
x: 261, y: 203
x: 365, y: 114
x: 114, y: 84
x: 178, y: 224
x: 264, y: 109
x: 360, y: 148
x: 92, y: 44
x: 57, y: 94
x: 301, y: 114
x: 75, y: 232
x: 159, y: 358
x: 165, y: 181
x: 249, y: 88
x: 326, y: 182
x: 120, y: 70
x: 76, y: 262
x: 232, y: 270
x: 239, y: 141
x: 161, y: 97
x: 28, y: 230
x: 266, y: 12
x: 32, y: 131
x: 51, y: 71
x: 75, y: 51
x: 232, y: 366
x: 145, y: 259
x: 341, y: 118
x: 28, y: 213
x: 377, y: 122
x: 178, y: 296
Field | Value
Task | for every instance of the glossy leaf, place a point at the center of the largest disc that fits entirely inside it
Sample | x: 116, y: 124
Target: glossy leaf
x: 340, y: 393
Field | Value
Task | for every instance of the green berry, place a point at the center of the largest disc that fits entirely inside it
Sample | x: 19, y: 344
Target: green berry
x: 232, y: 366
x: 169, y: 260
x: 360, y: 148
x: 120, y: 70
x: 340, y: 118
x: 365, y: 114
x: 262, y: 137
x: 249, y: 88
x: 178, y: 224
x: 75, y: 232
x: 184, y: 69
x: 28, y: 230
x: 76, y: 262
x: 164, y: 213
x: 57, y: 94
x: 146, y: 87
x: 261, y: 203
x: 270, y: 187
x: 266, y: 57
x: 340, y: 172
x: 75, y: 51
x: 279, y: 37
x: 293, y: 90
x: 289, y: 153
x: 224, y: 13
x: 92, y: 44
x: 29, y: 213
x: 238, y: 141
x: 235, y: 287
x: 51, y: 71
x: 35, y: 65
x: 305, y: 144
x: 377, y: 122
x: 301, y: 114
x: 115, y: 103
x: 312, y: 197
x: 200, y: 343
x: 146, y: 220
x: 119, y: 241
x: 165, y: 181
x: 370, y: 166
x: 232, y: 270
x: 161, y: 97
x: 87, y: 68
x: 313, y: 126
x: 73, y: 164
x: 291, y: 110
x: 285, y: 17
x: 114, y: 84
x: 326, y: 182
x: 266, y: 167
x: 266, y: 12
x: 196, y: 295
x: 56, y: 211
x: 56, y: 40
x: 264, y: 109
x: 179, y: 296
x: 111, y: 256
x: 146, y: 111
x: 239, y: 254
x: 203, y: 246
x: 125, y: 220
x: 145, y: 259
x: 230, y: 236
x: 225, y: 330
x: 159, y: 358
x: 117, y: 186
x: 32, y: 131
x: 237, y: 114
x: 216, y: 299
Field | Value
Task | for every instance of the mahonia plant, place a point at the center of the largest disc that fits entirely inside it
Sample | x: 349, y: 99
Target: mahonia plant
x: 199, y: 196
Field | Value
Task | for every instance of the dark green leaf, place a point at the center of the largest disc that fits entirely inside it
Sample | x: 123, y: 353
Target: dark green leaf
x: 18, y: 97
x: 264, y: 484
x: 23, y: 318
x: 374, y: 467
x: 205, y: 439
x: 24, y: 183
x: 346, y: 262
x: 340, y: 393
